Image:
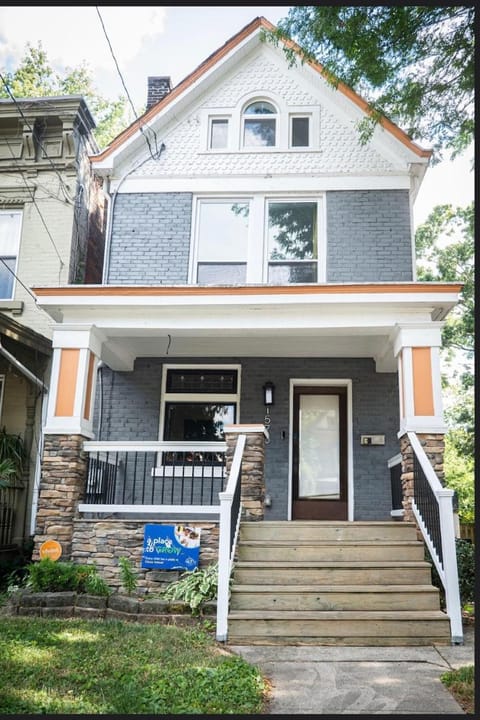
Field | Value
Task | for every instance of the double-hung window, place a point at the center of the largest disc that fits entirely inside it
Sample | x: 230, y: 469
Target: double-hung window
x: 292, y: 242
x: 260, y: 125
x: 10, y: 228
x: 222, y: 240
x: 218, y: 133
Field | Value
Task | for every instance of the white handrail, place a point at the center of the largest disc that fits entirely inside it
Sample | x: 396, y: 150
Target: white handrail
x: 449, y: 572
x: 151, y: 446
x: 225, y: 551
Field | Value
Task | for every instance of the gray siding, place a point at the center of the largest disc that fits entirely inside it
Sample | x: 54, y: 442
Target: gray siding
x: 368, y: 236
x: 131, y: 407
x: 151, y: 239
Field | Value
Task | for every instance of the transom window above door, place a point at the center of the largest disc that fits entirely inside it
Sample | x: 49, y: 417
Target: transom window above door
x: 258, y: 239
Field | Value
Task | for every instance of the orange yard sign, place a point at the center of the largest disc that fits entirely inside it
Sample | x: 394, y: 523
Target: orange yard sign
x: 50, y: 549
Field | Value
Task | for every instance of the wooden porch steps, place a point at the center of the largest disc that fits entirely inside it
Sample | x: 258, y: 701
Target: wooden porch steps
x: 333, y: 583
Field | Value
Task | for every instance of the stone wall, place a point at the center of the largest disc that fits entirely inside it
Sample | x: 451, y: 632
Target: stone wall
x: 253, y: 473
x: 105, y: 541
x: 64, y: 468
x: 434, y: 447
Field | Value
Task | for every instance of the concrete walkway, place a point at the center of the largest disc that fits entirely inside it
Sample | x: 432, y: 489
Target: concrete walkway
x: 320, y: 680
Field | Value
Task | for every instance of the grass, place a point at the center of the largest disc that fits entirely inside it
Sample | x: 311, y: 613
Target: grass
x: 109, y: 667
x: 461, y: 684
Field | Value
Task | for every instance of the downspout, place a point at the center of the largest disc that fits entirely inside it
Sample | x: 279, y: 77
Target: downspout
x: 111, y: 208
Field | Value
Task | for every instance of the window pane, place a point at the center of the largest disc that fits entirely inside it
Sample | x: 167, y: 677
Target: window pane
x: 6, y: 278
x: 9, y: 233
x: 319, y: 447
x: 292, y: 230
x: 223, y: 232
x: 260, y: 108
x: 259, y: 133
x: 283, y: 273
x: 197, y: 421
x: 218, y: 134
x: 300, y: 132
x: 208, y: 273
x: 202, y: 380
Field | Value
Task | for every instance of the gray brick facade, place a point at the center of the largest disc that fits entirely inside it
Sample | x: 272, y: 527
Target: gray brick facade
x: 368, y: 236
x: 131, y: 411
x: 150, y: 242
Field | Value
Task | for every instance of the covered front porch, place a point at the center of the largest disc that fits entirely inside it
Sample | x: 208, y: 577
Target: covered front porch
x: 116, y: 404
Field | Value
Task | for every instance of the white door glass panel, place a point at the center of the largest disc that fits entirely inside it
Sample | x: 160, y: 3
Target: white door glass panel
x: 319, y: 447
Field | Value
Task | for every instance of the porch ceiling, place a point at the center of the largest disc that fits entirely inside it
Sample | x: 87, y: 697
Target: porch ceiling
x: 293, y: 321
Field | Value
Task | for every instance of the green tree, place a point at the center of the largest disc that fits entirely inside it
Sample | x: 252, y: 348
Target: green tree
x: 413, y: 64
x: 445, y: 252
x: 35, y: 77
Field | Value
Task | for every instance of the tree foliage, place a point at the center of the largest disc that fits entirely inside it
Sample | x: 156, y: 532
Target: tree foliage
x: 413, y: 64
x: 35, y: 77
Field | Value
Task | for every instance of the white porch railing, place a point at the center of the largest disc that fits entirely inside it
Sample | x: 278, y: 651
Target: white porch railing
x: 432, y: 506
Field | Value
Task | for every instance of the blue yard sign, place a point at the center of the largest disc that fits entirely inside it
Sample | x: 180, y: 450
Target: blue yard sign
x: 171, y: 547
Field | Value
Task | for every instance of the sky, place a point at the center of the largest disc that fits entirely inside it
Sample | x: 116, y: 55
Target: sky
x: 168, y: 40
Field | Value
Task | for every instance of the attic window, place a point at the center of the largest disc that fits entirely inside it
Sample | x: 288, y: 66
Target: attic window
x: 259, y: 124
x: 218, y: 135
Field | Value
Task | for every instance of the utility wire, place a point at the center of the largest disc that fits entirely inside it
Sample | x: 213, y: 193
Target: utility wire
x: 17, y: 278
x: 37, y: 208
x: 62, y: 182
x: 153, y: 155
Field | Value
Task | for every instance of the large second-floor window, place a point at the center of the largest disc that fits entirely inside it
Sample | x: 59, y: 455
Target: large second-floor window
x: 258, y: 239
x: 222, y: 239
x: 292, y: 242
x: 10, y: 228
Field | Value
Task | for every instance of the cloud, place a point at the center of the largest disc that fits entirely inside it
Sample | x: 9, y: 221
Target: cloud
x: 73, y: 35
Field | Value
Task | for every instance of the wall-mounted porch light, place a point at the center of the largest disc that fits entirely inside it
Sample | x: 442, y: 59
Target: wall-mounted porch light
x: 268, y: 393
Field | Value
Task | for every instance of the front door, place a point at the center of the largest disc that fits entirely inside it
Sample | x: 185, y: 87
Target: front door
x: 320, y: 453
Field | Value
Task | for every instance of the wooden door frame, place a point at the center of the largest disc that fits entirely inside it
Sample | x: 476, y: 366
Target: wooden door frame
x: 322, y: 382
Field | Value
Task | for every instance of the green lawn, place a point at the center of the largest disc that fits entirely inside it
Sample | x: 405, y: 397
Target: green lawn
x: 110, y: 667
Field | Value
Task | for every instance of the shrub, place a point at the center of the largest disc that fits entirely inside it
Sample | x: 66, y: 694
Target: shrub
x: 49, y: 575
x: 127, y: 575
x: 195, y: 587
x: 466, y: 572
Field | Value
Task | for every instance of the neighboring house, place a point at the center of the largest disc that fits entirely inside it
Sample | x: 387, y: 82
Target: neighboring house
x: 51, y: 225
x: 259, y: 275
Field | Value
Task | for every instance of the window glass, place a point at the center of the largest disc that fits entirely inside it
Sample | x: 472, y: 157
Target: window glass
x: 292, y: 241
x: 218, y: 133
x: 10, y: 224
x: 259, y: 131
x: 300, y: 132
x: 222, y: 241
x: 201, y: 381
x: 197, y: 421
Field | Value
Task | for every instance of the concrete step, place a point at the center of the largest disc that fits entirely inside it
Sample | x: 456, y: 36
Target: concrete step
x: 335, y: 572
x: 340, y: 597
x: 296, y: 530
x: 420, y: 627
x: 348, y: 550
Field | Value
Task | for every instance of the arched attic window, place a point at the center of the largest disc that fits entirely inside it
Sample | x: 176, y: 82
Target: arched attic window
x: 260, y: 124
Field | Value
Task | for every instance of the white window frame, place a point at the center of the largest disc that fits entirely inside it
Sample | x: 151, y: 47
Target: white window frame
x: 197, y: 397
x: 277, y: 117
x: 227, y: 120
x: 257, y: 248
x: 291, y: 118
x: 17, y: 242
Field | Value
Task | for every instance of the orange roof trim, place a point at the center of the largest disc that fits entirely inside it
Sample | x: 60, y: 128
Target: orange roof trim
x: 199, y: 290
x: 215, y: 58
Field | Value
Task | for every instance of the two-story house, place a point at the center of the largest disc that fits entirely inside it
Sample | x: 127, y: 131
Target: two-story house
x: 259, y: 280
x: 50, y: 233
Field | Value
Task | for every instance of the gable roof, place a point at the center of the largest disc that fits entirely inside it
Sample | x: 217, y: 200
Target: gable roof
x: 213, y: 59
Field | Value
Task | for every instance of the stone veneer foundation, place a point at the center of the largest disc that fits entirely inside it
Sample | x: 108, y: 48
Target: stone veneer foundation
x: 104, y: 540
x: 434, y: 446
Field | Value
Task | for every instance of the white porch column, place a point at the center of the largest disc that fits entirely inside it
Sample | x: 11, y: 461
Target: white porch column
x: 417, y: 349
x: 72, y: 386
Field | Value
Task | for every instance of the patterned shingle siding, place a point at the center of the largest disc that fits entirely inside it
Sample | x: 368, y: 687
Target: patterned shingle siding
x: 131, y: 404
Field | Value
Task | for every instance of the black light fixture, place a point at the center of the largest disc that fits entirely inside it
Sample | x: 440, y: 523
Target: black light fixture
x: 268, y: 393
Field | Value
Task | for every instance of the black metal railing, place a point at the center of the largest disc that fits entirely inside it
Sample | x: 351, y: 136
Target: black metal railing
x: 137, y: 477
x: 235, y: 510
x: 9, y: 497
x: 427, y: 505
